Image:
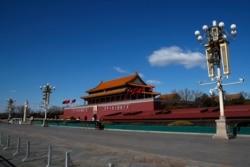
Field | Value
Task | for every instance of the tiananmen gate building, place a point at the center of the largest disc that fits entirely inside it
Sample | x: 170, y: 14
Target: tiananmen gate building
x: 130, y: 99
x: 126, y: 95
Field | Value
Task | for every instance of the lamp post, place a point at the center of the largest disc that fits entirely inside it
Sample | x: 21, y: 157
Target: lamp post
x: 46, y: 89
x: 215, y: 40
x: 25, y: 111
x: 10, y: 105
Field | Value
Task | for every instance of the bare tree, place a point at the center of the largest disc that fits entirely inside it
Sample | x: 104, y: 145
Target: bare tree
x: 197, y: 94
x: 54, y: 112
x: 189, y: 95
x: 204, y: 101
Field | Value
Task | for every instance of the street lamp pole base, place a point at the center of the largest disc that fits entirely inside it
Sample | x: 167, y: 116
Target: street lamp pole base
x: 222, y: 130
x: 45, y: 123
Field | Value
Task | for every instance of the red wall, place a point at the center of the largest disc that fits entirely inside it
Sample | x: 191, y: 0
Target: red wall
x: 78, y: 113
x: 107, y: 109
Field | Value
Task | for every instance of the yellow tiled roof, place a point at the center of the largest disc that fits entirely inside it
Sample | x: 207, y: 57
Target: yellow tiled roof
x: 113, y: 92
x: 146, y: 86
x: 169, y: 96
x: 105, y: 93
x: 234, y: 96
x: 151, y: 93
x: 114, y: 83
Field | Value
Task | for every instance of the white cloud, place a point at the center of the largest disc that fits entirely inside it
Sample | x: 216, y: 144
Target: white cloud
x: 119, y: 69
x: 13, y: 91
x: 175, y: 55
x: 153, y: 82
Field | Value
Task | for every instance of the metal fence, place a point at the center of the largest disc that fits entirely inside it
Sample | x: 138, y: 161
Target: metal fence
x: 154, y: 128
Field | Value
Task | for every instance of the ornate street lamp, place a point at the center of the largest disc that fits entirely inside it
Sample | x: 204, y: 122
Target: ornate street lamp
x: 46, y: 89
x: 216, y: 41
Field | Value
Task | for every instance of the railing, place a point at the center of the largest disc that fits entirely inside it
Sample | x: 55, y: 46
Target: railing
x: 83, y: 124
x: 154, y: 128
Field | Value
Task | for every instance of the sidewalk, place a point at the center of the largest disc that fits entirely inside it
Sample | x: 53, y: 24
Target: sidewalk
x: 93, y: 148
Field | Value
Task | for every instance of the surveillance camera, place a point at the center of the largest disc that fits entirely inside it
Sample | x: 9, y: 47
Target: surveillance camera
x: 241, y: 80
x: 211, y: 92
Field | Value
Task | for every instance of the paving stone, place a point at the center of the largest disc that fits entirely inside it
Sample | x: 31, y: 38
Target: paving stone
x: 85, y: 152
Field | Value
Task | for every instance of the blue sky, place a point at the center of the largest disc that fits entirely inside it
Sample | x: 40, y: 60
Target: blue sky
x: 75, y: 44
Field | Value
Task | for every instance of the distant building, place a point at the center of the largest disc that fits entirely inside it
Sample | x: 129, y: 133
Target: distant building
x: 131, y: 87
x: 230, y: 98
x: 236, y: 96
x: 173, y: 97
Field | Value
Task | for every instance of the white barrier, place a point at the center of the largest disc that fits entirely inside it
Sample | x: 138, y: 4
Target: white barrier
x: 18, y: 147
x: 26, y: 158
x: 7, y: 144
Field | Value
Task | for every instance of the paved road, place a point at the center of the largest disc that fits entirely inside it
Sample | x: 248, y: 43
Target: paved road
x: 94, y: 148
